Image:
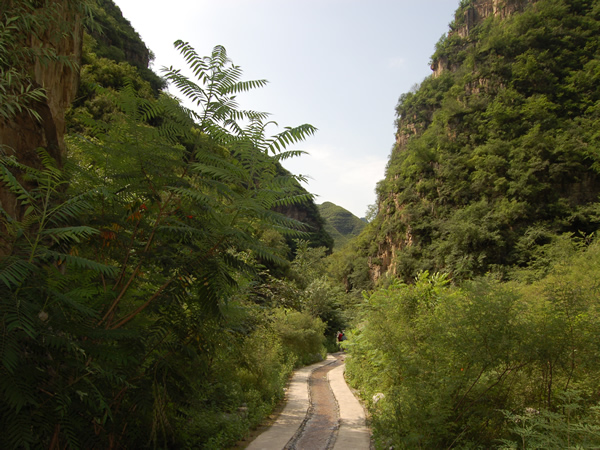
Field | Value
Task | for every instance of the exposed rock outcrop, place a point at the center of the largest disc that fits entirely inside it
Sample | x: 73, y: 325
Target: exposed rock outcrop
x: 480, y: 10
x: 23, y: 134
x: 472, y: 15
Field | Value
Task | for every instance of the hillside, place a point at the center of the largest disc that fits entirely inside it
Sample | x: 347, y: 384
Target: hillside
x: 162, y: 274
x: 340, y: 223
x: 480, y: 327
x: 497, y: 152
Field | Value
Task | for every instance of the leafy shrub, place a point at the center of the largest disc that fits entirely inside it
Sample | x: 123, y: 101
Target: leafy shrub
x: 571, y: 425
x: 302, y: 336
x: 117, y: 324
x: 448, y: 360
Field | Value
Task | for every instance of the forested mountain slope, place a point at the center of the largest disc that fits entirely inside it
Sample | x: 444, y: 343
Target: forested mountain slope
x: 497, y: 151
x: 340, y: 223
x: 481, y: 329
x: 148, y: 293
x: 119, y: 42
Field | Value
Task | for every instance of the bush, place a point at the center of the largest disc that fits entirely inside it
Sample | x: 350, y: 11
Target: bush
x: 302, y: 336
x: 449, y: 360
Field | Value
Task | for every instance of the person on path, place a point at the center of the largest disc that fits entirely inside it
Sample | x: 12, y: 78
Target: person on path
x: 340, y: 337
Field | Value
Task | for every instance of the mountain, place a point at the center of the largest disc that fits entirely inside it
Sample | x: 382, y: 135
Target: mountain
x: 340, y: 223
x: 497, y: 152
x: 118, y: 41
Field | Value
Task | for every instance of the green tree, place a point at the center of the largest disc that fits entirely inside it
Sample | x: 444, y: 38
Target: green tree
x: 115, y: 290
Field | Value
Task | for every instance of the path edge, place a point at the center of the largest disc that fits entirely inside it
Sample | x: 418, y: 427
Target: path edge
x: 353, y: 431
x: 293, y: 415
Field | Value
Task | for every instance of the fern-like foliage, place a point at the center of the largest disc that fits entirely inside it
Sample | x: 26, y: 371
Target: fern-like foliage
x: 45, y: 315
x: 124, y: 262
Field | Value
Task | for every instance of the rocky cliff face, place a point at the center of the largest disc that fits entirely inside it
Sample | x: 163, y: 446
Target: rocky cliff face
x: 23, y: 134
x: 473, y: 14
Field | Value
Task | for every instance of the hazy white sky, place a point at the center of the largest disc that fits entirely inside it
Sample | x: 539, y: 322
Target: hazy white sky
x: 339, y: 65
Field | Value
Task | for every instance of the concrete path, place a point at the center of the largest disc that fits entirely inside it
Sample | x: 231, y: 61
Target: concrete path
x: 353, y: 432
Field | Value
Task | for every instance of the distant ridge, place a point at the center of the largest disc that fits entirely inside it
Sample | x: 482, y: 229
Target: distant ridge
x: 340, y: 223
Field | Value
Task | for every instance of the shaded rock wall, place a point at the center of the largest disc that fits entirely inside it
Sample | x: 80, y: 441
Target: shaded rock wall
x: 23, y: 134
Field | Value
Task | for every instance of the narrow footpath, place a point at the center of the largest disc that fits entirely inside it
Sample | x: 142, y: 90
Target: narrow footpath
x: 320, y: 413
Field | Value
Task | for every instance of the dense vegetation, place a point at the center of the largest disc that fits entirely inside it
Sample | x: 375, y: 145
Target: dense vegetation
x: 119, y: 42
x: 148, y: 295
x: 482, y: 332
x: 161, y: 279
x: 486, y: 364
x: 340, y: 223
x: 497, y: 155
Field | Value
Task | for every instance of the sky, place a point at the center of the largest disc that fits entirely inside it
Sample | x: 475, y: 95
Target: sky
x: 339, y: 65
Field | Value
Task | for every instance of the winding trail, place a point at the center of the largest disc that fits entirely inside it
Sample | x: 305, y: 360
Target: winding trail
x: 320, y: 412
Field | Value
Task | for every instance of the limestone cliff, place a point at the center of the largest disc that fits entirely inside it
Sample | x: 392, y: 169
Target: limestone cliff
x: 22, y: 134
x: 468, y: 16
